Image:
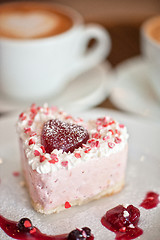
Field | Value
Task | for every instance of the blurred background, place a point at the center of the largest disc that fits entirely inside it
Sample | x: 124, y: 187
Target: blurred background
x: 122, y: 18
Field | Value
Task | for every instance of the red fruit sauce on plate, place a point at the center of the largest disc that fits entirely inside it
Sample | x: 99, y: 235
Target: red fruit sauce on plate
x: 151, y: 200
x: 123, y: 222
x: 24, y: 230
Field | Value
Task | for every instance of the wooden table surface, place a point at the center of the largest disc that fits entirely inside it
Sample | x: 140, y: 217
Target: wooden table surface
x: 125, y: 45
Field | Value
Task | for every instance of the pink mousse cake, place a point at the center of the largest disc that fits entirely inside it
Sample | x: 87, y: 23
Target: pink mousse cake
x: 67, y: 161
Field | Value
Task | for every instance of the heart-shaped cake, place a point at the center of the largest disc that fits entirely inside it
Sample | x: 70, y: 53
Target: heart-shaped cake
x: 67, y: 161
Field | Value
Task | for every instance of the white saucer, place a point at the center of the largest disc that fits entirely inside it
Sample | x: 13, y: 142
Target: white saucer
x: 142, y: 175
x: 84, y: 92
x: 133, y: 91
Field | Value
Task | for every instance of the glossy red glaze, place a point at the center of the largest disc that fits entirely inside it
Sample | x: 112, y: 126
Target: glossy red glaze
x: 62, y: 135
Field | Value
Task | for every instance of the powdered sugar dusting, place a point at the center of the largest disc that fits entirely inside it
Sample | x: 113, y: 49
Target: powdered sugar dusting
x: 62, y: 135
x: 125, y: 213
x: 106, y: 136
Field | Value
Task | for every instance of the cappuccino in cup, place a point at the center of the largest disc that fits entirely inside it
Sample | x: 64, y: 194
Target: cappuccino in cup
x: 31, y: 20
x: 150, y: 46
x: 43, y: 46
x: 153, y: 29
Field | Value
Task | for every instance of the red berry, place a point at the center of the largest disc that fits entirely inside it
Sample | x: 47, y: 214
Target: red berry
x: 134, y: 214
x: 80, y: 234
x: 25, y: 224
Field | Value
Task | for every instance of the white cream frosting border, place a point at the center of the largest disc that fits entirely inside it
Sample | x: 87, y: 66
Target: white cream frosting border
x: 39, y: 115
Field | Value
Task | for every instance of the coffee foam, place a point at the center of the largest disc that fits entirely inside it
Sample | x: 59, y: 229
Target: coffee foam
x: 27, y: 20
x: 28, y: 25
x: 152, y: 28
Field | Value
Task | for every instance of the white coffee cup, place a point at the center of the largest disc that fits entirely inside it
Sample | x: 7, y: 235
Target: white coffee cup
x: 150, y: 46
x: 37, y: 68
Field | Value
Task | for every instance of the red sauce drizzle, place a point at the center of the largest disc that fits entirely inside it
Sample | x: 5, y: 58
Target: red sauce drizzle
x: 12, y: 230
x: 151, y: 200
x: 123, y: 222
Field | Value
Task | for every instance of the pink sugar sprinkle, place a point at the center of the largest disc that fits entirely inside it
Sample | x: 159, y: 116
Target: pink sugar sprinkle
x: 121, y: 125
x: 31, y: 141
x: 67, y: 205
x: 87, y: 150
x: 117, y: 140
x: 91, y: 140
x: 99, y: 128
x: 54, y: 108
x: 53, y: 155
x: 117, y: 132
x: 36, y: 153
x: 84, y: 145
x: 105, y: 125
x: 32, y: 116
x: 96, y: 135
x: 100, y: 119
x: 106, y: 138
x: 64, y: 163
x: 39, y: 108
x: 77, y: 155
x: 42, y: 158
x: 32, y: 134
x: 105, y: 119
x: 27, y: 130
x: 46, y: 111
x: 95, y: 144
x: 54, y: 158
x: 34, y: 110
x: 80, y: 119
x: 22, y: 116
x: 110, y: 130
x: 98, y: 123
x: 16, y: 174
x: 111, y: 145
x: 30, y: 122
x: 33, y: 105
x: 43, y: 149
x: 111, y: 122
x: 53, y: 161
x: 68, y: 117
x: 60, y: 112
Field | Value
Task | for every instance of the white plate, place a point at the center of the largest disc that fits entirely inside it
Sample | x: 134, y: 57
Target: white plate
x: 86, y: 91
x: 143, y: 172
x: 133, y: 91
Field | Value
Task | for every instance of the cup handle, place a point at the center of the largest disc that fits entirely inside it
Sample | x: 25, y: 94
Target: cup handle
x: 97, y: 53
